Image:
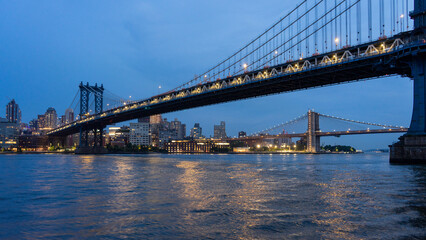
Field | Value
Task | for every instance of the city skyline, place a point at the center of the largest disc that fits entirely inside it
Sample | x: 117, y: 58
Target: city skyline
x: 137, y: 54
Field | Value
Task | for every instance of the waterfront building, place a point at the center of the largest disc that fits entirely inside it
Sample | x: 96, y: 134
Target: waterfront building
x: 163, y: 131
x: 196, y: 132
x: 139, y: 133
x: 194, y: 146
x: 13, y: 113
x: 9, y: 132
x: 219, y: 131
x: 33, y: 143
x: 118, y: 136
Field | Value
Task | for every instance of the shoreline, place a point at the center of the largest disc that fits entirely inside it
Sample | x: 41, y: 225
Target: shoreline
x: 195, y: 153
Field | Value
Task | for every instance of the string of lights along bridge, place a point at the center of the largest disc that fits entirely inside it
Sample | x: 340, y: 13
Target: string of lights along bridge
x: 318, y: 43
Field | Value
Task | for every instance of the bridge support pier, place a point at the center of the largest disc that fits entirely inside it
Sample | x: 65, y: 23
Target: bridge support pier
x: 313, y: 141
x: 411, y: 149
x: 86, y: 147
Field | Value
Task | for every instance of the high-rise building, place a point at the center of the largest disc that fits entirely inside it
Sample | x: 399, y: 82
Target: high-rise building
x: 9, y: 133
x: 41, y: 122
x: 219, y: 131
x: 13, y: 113
x: 33, y: 125
x: 51, y: 118
x: 155, y: 119
x: 139, y: 133
x: 179, y: 128
x: 155, y: 125
x: 196, y: 131
x: 69, y: 116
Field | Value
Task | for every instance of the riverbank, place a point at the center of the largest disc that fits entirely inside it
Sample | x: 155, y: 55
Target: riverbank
x: 195, y: 153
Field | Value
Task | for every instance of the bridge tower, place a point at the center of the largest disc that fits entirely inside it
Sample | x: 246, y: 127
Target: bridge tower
x: 412, y: 147
x: 97, y: 131
x: 313, y: 141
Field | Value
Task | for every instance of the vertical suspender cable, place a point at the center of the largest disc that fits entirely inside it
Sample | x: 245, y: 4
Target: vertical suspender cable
x: 282, y: 40
x: 324, y: 35
x: 346, y: 24
x: 382, y: 24
x: 406, y: 15
x: 307, y: 31
x: 298, y: 35
x: 370, y: 28
x: 380, y: 16
x: 340, y: 35
x: 335, y: 24
x: 392, y: 17
x: 398, y: 18
x: 291, y: 52
x: 358, y: 16
x: 350, y: 24
x: 316, y: 27
x: 324, y: 30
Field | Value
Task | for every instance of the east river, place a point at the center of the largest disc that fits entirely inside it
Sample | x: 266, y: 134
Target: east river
x: 156, y: 196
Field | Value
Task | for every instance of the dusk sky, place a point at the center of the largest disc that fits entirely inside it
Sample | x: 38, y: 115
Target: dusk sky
x: 48, y: 47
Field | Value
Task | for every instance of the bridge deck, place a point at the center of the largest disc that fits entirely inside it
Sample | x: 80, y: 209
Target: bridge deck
x: 366, y: 61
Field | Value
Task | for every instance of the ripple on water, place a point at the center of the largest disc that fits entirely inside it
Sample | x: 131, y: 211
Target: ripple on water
x: 210, y: 197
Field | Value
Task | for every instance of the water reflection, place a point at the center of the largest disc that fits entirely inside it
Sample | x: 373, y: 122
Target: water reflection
x: 211, y: 196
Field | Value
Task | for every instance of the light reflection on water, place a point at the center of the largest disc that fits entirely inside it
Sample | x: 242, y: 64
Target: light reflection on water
x: 211, y: 196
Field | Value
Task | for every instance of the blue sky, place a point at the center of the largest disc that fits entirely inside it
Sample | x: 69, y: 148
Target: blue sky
x: 132, y: 47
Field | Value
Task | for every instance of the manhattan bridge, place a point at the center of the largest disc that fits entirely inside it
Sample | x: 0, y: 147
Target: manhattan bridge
x: 318, y: 43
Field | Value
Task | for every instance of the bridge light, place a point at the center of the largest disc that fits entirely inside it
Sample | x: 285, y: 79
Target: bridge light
x: 276, y: 52
x: 336, y: 40
x: 402, y: 16
x: 245, y: 65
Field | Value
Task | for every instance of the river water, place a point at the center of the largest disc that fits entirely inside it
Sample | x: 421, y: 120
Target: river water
x: 156, y: 196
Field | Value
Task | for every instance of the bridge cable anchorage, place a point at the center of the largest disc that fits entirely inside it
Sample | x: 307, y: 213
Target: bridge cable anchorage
x: 304, y: 116
x: 360, y: 122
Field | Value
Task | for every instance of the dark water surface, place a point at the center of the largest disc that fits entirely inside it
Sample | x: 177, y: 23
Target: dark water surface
x: 211, y: 197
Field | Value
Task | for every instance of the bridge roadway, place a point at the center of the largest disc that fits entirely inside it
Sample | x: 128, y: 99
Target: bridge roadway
x: 324, y: 134
x: 371, y: 60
